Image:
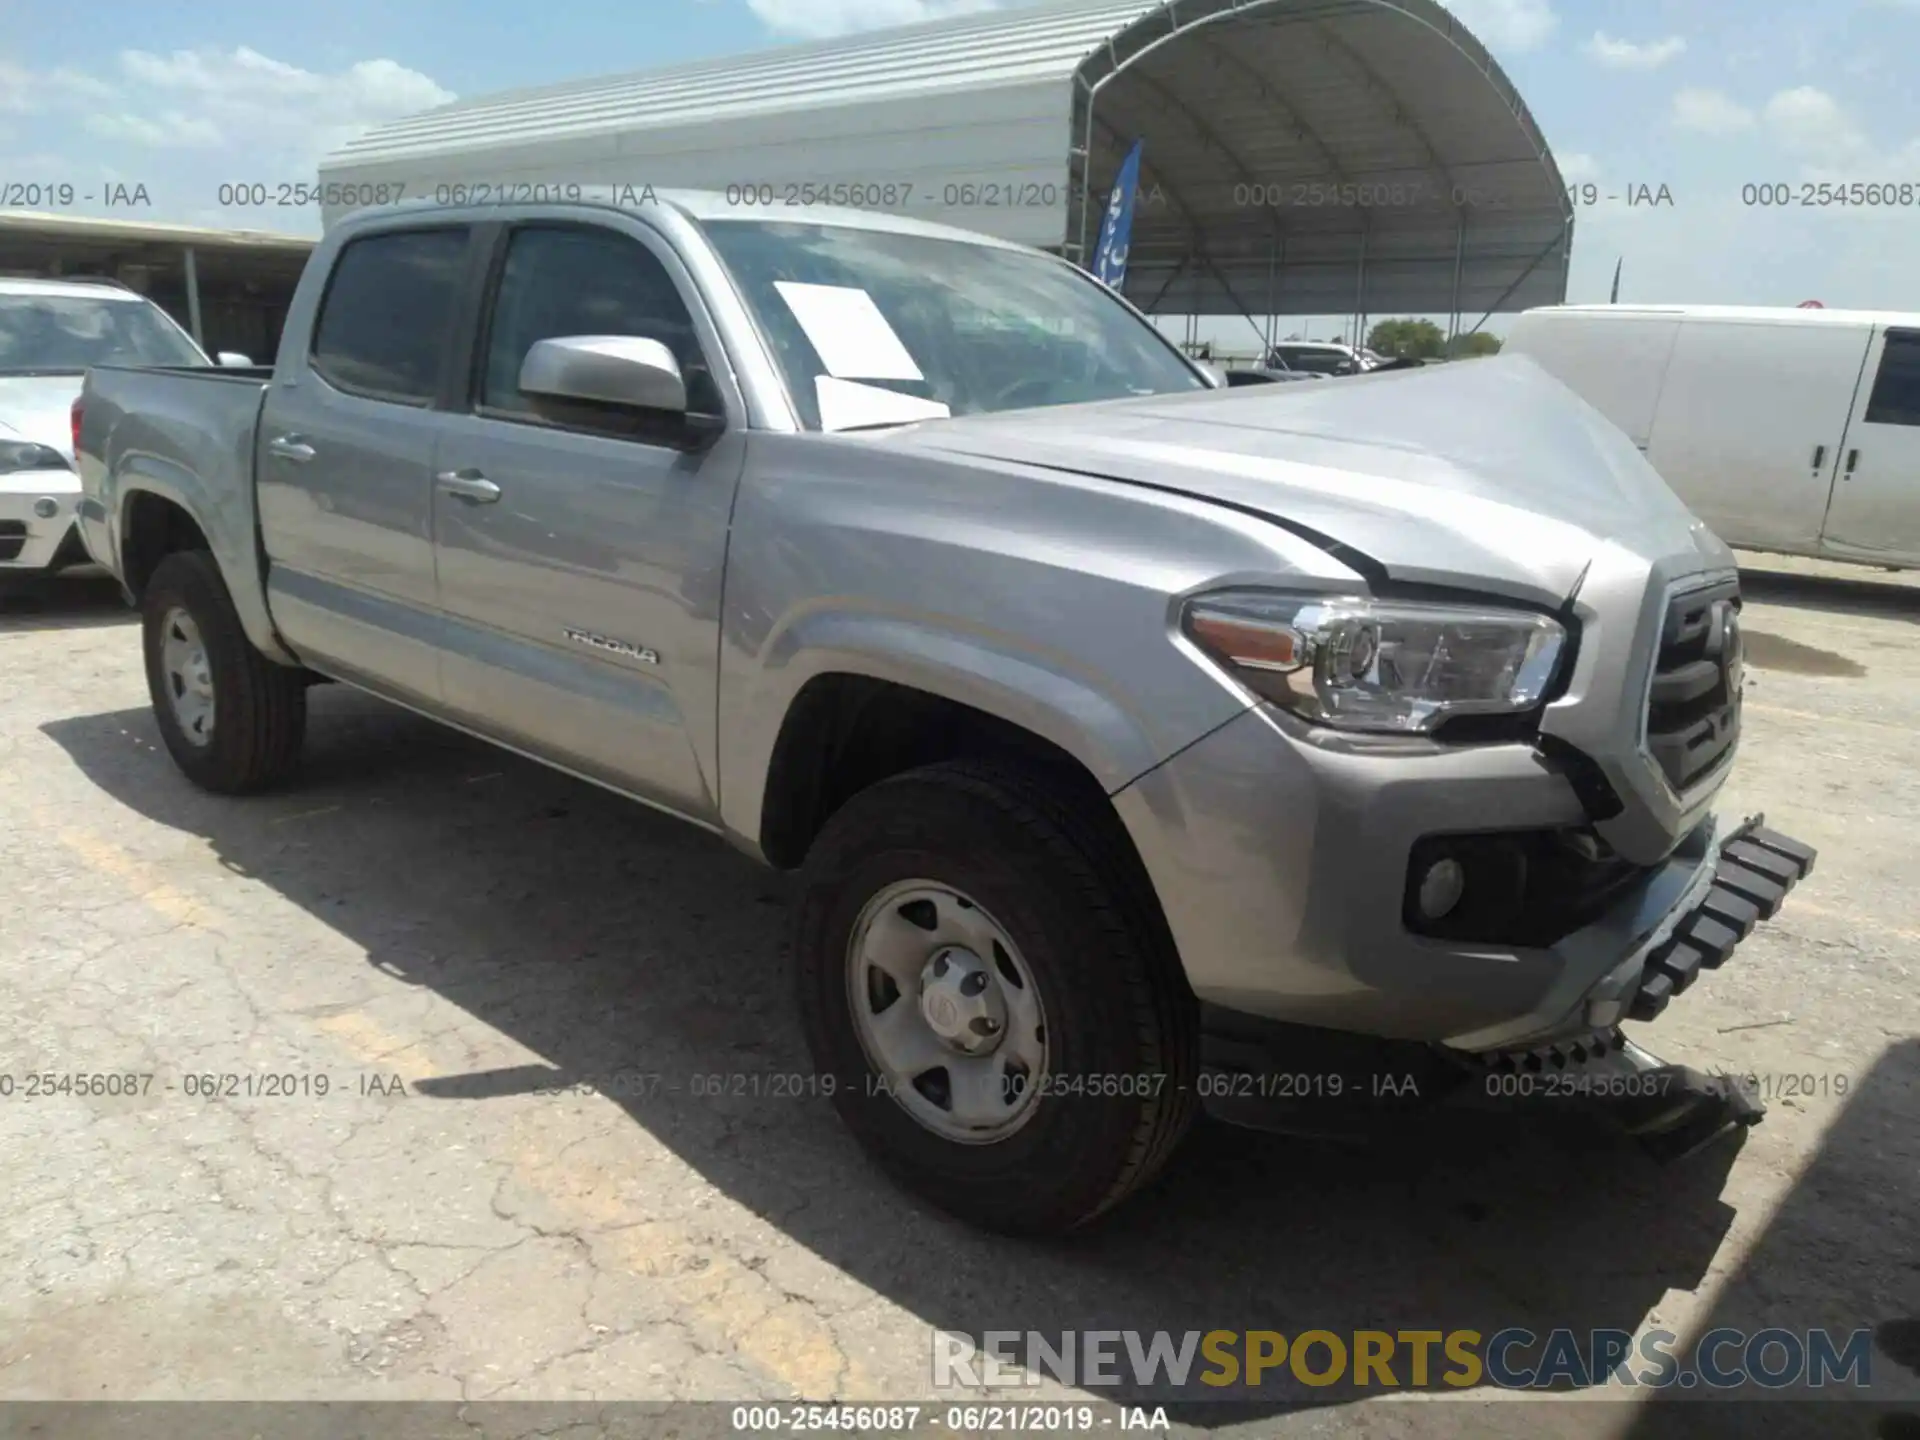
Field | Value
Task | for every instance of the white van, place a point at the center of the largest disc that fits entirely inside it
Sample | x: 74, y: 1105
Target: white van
x: 1795, y: 431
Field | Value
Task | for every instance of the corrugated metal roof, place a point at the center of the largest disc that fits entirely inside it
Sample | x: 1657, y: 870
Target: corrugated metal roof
x: 979, y: 51
x: 87, y: 227
x: 1366, y: 152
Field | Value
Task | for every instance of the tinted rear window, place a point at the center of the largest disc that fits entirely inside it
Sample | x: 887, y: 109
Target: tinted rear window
x: 383, y: 324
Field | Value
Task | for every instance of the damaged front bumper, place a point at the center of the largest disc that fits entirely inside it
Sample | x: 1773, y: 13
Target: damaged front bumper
x: 1296, y: 1079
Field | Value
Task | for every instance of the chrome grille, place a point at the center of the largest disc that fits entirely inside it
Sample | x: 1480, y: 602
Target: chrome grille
x: 1693, y: 700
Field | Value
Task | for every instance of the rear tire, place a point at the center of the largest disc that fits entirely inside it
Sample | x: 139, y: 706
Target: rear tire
x: 1026, y: 861
x: 232, y: 719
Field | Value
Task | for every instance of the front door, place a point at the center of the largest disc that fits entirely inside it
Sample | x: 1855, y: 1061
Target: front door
x: 581, y: 550
x: 1875, y: 513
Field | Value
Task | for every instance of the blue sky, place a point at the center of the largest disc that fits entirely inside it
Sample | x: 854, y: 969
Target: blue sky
x: 1702, y: 96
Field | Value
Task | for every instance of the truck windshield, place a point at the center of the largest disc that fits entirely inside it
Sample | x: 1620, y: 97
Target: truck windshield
x: 54, y: 334
x: 873, y: 327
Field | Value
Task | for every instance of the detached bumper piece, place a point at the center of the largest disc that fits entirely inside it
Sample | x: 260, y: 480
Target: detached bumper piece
x: 1756, y: 869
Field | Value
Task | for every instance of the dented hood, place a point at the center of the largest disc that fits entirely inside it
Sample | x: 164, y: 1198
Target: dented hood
x: 1482, y: 474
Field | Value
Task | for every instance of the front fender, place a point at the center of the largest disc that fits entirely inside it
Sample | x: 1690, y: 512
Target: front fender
x: 994, y: 674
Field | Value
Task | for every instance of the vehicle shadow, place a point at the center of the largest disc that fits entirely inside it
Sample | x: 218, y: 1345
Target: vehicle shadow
x: 603, y: 936
x: 1894, y: 596
x: 1842, y: 1253
x: 62, y: 602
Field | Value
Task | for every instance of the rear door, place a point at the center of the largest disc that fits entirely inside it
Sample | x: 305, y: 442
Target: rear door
x: 581, y: 552
x: 345, y: 462
x: 1750, y: 422
x: 1875, y: 511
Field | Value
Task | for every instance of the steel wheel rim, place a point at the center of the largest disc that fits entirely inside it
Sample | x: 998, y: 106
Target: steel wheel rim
x: 895, y: 981
x: 188, y: 676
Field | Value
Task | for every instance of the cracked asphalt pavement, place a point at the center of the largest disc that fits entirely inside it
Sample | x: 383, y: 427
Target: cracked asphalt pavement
x: 438, y: 1075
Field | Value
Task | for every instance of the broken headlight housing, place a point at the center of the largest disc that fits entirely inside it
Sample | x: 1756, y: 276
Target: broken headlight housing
x: 1357, y: 663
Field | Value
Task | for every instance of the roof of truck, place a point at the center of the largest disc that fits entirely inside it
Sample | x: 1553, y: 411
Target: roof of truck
x: 1747, y: 314
x: 700, y: 206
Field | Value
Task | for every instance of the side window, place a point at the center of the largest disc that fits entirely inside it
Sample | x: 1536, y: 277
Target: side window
x: 1896, y: 389
x: 384, y: 319
x: 573, y: 281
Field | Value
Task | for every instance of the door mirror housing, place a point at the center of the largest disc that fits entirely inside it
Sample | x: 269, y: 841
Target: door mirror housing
x: 233, y: 360
x: 623, y: 370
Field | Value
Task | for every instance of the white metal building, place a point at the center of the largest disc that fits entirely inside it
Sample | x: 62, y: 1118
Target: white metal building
x: 1301, y: 157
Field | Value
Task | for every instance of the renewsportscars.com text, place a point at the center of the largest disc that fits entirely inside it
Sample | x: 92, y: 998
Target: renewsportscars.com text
x: 1513, y: 1359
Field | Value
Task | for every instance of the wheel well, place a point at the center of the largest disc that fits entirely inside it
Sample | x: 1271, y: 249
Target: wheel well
x: 844, y: 733
x: 154, y: 528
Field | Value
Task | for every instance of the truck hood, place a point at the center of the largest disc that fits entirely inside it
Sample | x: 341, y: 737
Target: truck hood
x: 39, y: 408
x: 1483, y: 474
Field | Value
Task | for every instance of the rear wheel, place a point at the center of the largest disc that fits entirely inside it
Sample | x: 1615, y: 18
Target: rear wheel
x: 232, y: 719
x: 1005, y: 1026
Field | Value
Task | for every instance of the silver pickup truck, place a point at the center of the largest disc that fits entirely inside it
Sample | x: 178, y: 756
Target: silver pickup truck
x: 1140, y: 743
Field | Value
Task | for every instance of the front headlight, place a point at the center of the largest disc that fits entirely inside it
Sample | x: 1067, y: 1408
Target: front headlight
x: 16, y: 455
x: 1363, y: 664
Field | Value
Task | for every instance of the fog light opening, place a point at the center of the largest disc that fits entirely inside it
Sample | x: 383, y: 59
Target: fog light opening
x: 1441, y: 888
x: 46, y: 507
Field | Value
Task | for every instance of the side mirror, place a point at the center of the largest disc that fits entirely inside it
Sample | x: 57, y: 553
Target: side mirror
x: 606, y: 370
x: 233, y: 359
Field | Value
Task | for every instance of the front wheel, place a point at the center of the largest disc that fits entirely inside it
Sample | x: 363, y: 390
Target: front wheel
x: 231, y: 718
x: 1005, y: 1027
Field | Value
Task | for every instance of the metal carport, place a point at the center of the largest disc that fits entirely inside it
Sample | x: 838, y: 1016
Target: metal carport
x: 1301, y: 157
x: 230, y: 288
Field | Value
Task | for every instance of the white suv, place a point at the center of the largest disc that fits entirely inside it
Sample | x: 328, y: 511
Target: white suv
x: 51, y: 331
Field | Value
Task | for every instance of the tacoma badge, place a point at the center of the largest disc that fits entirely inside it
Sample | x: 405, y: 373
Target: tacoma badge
x: 612, y: 646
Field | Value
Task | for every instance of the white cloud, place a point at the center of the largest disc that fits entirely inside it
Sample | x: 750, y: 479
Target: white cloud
x: 185, y: 123
x: 815, y: 19
x: 16, y: 90
x: 238, y: 98
x: 1711, y: 112
x: 1507, y: 26
x: 1626, y: 55
x: 168, y: 130
x: 1812, y: 127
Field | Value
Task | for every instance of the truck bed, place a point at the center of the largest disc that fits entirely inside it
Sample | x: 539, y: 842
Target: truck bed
x: 184, y: 434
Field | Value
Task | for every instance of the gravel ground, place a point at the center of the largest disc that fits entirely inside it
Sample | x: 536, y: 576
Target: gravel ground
x: 438, y: 934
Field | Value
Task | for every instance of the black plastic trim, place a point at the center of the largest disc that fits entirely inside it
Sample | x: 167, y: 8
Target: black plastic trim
x: 1753, y: 873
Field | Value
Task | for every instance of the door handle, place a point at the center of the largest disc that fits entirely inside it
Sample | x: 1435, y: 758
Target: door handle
x: 290, y: 447
x: 1853, y: 459
x: 468, y: 485
x: 1819, y: 454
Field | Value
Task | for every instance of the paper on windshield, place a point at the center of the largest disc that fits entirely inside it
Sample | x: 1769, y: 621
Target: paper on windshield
x: 847, y: 330
x: 846, y: 403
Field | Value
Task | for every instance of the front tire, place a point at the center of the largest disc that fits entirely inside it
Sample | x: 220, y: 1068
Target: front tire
x: 232, y: 719
x: 1040, y: 1067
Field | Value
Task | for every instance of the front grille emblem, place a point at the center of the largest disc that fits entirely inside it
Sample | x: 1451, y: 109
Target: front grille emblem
x: 1727, y: 646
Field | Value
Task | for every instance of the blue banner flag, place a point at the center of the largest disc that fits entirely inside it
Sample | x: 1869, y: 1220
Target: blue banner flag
x: 1116, y: 230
